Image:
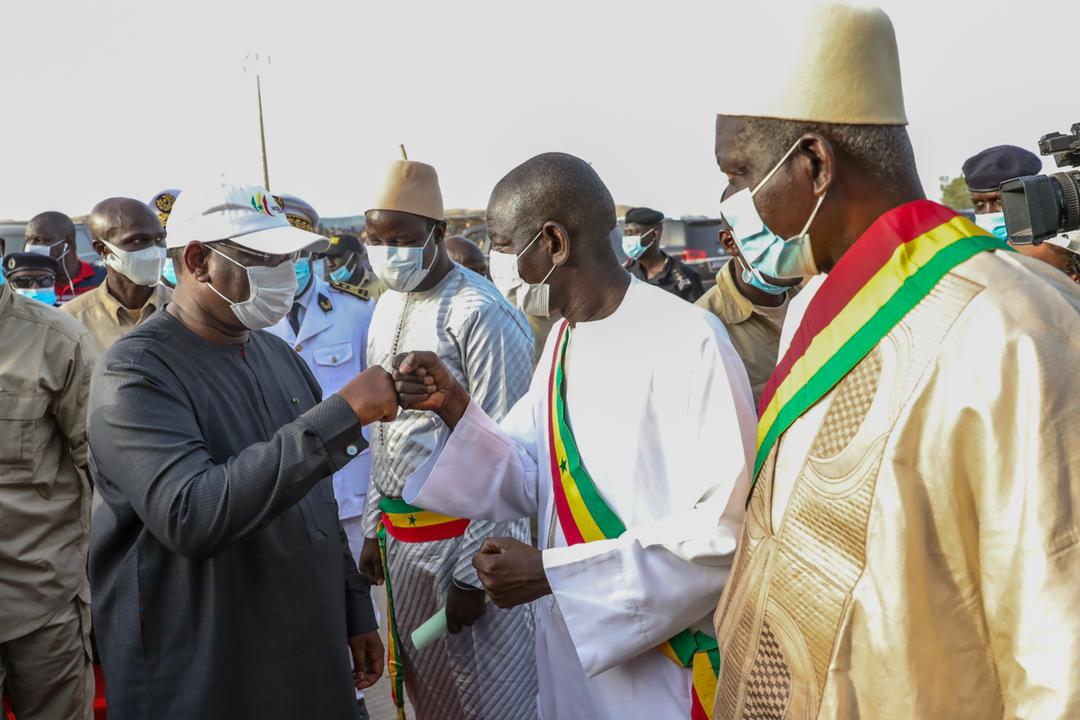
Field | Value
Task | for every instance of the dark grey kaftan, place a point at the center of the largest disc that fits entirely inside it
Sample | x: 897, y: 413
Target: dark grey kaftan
x: 222, y: 584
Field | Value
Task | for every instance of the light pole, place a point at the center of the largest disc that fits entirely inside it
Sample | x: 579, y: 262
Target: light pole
x: 255, y: 61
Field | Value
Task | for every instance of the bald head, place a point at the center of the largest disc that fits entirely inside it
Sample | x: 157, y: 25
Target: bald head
x: 128, y: 225
x: 110, y: 219
x: 55, y: 231
x: 554, y: 187
x: 49, y: 228
x: 465, y: 253
x: 554, y: 213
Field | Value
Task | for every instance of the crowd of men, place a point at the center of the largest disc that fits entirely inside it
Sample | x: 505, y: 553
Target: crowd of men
x: 840, y: 483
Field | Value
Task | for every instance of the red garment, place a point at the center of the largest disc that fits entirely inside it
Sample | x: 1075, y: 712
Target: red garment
x: 88, y: 278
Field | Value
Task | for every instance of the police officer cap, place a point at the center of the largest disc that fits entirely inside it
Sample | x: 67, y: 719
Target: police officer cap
x: 986, y: 171
x: 14, y: 262
x: 162, y: 204
x: 644, y: 216
x: 299, y: 213
x: 342, y: 245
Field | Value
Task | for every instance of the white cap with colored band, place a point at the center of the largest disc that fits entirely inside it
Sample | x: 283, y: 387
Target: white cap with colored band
x: 246, y: 214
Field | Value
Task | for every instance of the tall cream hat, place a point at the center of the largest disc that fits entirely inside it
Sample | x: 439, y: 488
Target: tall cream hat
x: 838, y: 64
x: 411, y: 187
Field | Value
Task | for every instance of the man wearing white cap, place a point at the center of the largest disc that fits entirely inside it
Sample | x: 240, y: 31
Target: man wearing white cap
x: 912, y: 537
x: 485, y: 669
x: 222, y: 581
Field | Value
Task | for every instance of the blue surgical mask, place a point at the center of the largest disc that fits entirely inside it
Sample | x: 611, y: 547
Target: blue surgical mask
x: 42, y: 295
x: 402, y: 268
x: 342, y: 274
x: 302, y: 268
x: 168, y: 271
x: 993, y: 223
x: 764, y: 250
x: 634, y: 245
x: 753, y: 278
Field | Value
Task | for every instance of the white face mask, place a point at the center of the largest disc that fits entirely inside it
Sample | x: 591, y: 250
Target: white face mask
x: 533, y: 299
x: 47, y: 249
x: 270, y: 294
x: 401, y: 268
x: 993, y: 223
x: 142, y: 267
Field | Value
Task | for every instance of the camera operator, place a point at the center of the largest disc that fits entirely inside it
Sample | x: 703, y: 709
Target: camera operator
x: 984, y: 174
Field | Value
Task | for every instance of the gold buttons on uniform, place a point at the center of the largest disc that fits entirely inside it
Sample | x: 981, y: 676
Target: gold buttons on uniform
x: 299, y: 348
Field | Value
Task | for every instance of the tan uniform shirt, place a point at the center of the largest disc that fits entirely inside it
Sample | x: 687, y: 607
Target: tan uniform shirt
x: 108, y: 320
x: 44, y: 495
x: 754, y: 331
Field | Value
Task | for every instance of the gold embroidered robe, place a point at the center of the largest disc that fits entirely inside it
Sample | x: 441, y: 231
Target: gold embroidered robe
x: 912, y: 549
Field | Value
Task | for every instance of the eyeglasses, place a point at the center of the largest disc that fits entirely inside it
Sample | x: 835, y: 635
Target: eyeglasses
x: 247, y: 256
x: 32, y: 282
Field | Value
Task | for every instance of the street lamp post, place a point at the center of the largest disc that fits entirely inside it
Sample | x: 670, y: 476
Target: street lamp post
x: 262, y: 135
x: 255, y: 61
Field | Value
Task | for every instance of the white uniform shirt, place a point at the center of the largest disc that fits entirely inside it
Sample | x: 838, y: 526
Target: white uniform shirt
x: 333, y: 343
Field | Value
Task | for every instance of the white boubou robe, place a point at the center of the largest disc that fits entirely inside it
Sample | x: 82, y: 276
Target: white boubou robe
x: 662, y: 413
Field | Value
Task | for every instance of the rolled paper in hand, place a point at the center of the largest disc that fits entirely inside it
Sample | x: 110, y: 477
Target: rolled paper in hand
x: 432, y: 629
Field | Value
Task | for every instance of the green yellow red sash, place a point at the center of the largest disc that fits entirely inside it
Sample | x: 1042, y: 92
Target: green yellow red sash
x: 700, y: 653
x: 410, y: 524
x: 394, y: 667
x: 886, y: 273
x: 585, y: 517
x: 406, y: 523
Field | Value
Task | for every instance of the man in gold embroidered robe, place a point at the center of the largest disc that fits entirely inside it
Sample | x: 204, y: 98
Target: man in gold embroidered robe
x: 912, y: 543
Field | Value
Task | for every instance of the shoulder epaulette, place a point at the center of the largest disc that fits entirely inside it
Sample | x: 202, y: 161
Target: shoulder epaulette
x: 354, y: 290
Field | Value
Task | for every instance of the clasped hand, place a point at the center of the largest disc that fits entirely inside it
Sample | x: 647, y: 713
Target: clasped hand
x: 422, y: 382
x: 419, y: 382
x: 511, y: 571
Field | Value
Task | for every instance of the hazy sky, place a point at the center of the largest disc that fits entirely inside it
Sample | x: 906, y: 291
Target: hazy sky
x: 129, y: 97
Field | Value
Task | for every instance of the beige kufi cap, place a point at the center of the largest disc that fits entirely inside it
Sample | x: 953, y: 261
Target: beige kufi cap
x: 411, y: 187
x: 839, y: 64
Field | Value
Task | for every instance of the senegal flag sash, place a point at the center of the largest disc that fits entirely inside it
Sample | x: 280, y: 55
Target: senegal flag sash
x: 394, y: 667
x: 410, y: 524
x: 886, y: 273
x: 585, y: 517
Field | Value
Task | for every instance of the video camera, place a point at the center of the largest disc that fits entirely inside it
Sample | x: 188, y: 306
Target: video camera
x: 1039, y: 207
